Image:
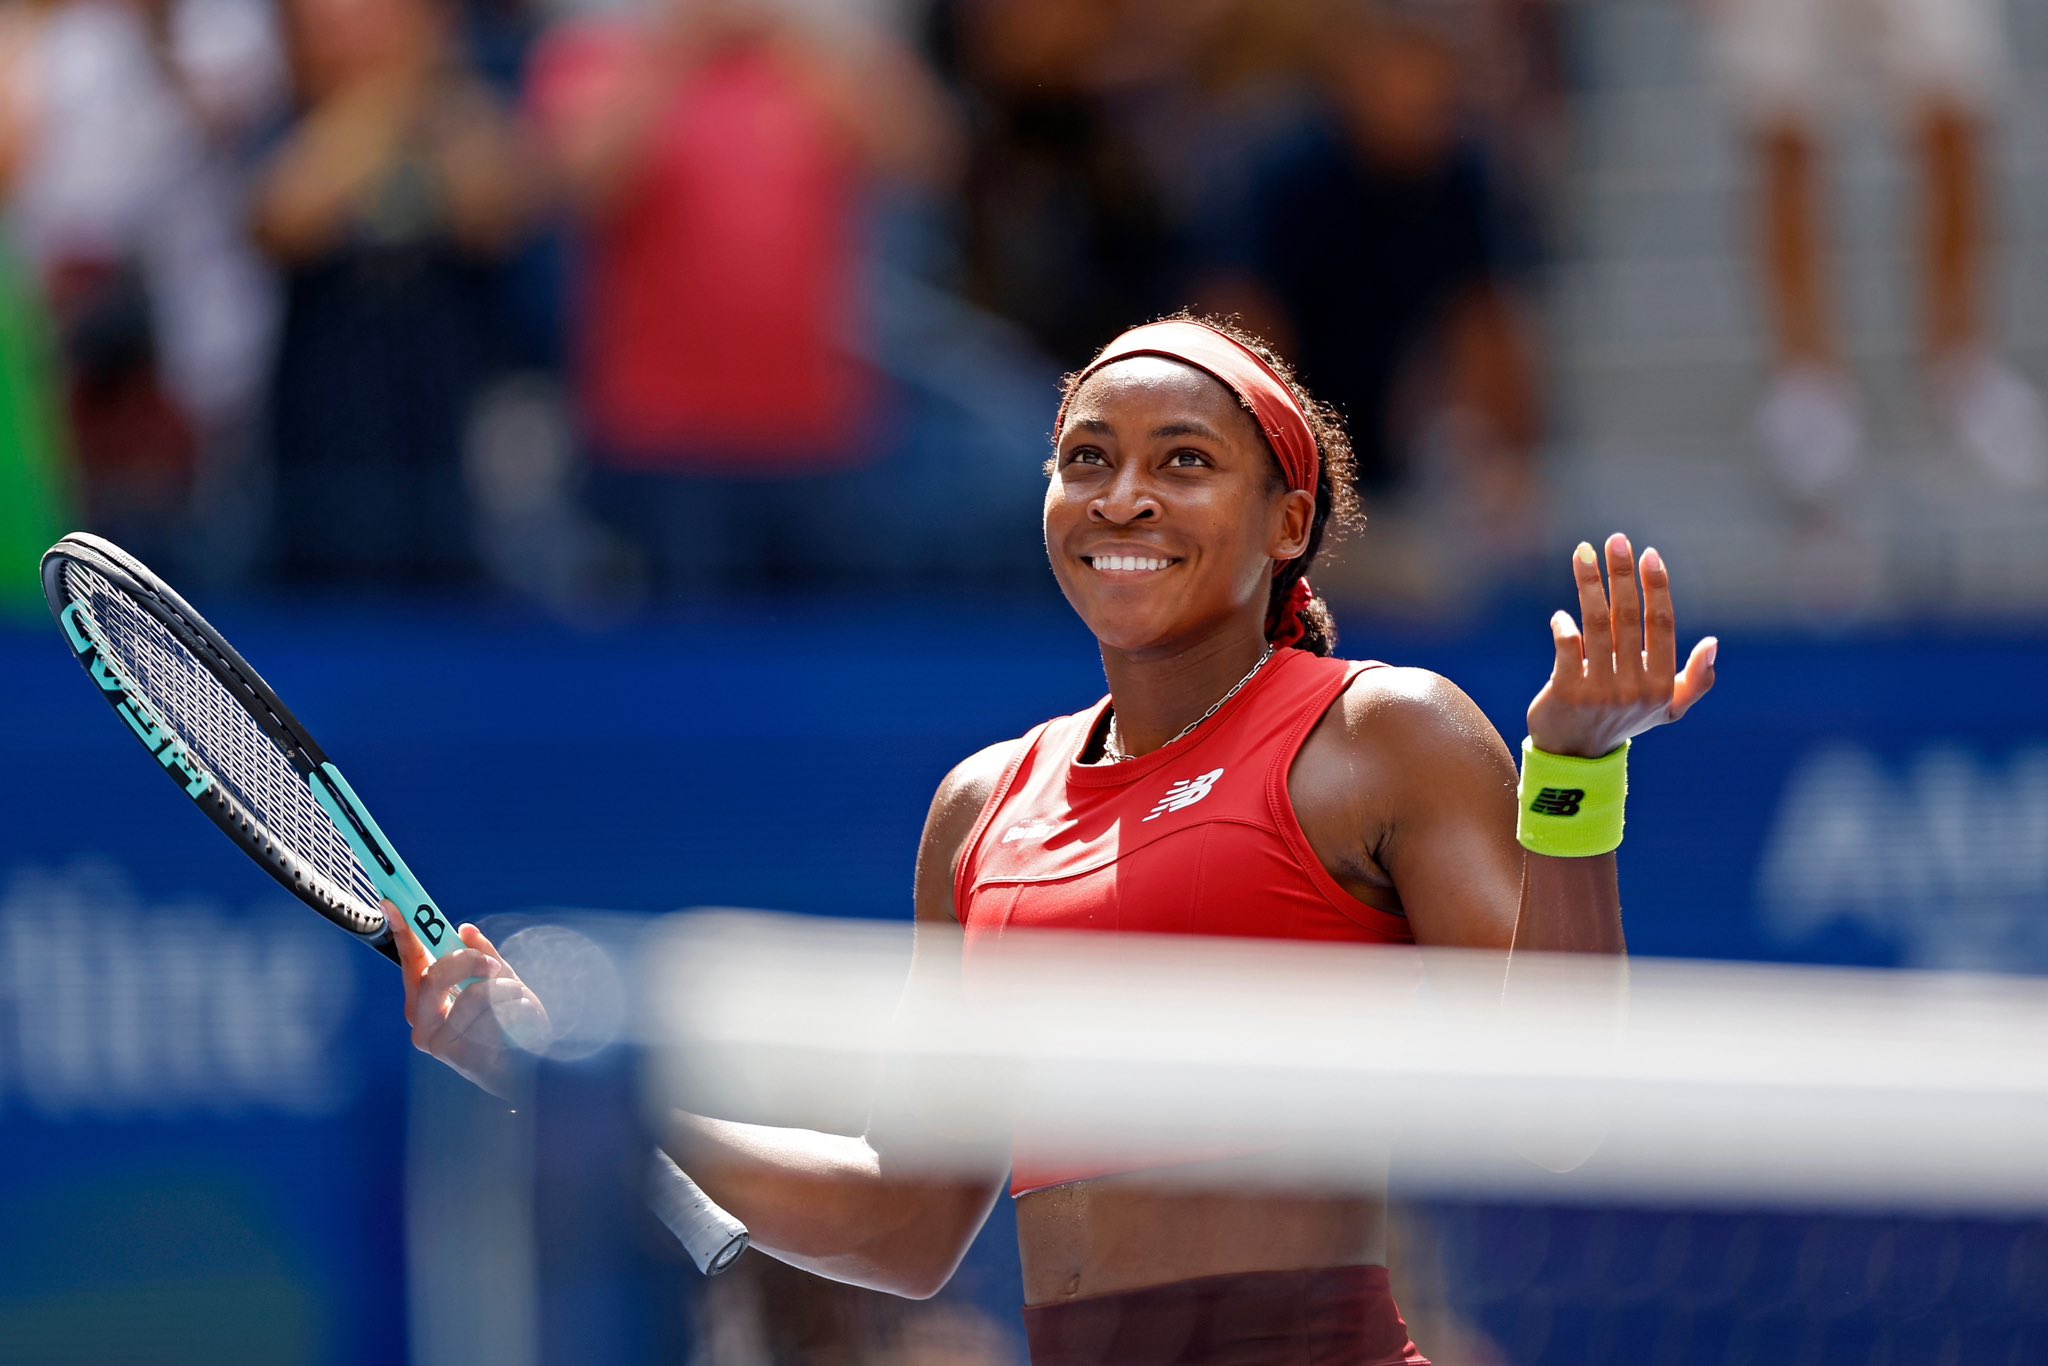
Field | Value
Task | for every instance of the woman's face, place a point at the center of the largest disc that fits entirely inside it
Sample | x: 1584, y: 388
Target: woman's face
x: 1166, y: 512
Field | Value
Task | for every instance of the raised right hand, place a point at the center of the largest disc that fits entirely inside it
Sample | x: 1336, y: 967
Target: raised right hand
x: 478, y: 1029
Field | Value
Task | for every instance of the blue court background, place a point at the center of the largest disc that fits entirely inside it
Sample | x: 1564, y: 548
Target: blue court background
x: 202, y: 1088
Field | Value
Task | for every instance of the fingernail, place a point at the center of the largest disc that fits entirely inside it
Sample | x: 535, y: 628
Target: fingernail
x: 1584, y: 554
x: 1652, y: 561
x: 1713, y: 649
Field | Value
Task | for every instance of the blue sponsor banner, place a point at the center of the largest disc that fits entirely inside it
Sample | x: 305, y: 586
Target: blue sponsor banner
x: 201, y: 1084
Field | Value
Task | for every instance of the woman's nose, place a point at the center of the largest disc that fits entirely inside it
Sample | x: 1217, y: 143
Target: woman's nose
x: 1129, y: 498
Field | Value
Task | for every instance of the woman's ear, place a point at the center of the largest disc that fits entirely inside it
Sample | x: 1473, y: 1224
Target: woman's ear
x: 1294, y: 519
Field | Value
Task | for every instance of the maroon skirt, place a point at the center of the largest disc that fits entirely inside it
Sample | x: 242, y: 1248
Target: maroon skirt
x: 1328, y: 1316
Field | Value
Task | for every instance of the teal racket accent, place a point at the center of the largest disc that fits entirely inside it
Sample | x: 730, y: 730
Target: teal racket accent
x: 393, y: 880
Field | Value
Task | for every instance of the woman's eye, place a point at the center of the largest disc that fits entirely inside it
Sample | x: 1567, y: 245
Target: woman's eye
x: 1187, y: 459
x: 1084, y: 455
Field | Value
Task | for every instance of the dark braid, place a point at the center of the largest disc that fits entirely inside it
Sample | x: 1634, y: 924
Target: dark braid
x: 1337, y: 509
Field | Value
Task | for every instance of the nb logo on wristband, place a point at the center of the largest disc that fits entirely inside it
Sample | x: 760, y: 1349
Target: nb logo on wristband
x: 1558, y: 801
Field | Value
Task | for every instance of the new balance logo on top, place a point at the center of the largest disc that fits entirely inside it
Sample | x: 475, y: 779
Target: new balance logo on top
x: 1558, y: 801
x: 1031, y: 830
x: 1185, y: 793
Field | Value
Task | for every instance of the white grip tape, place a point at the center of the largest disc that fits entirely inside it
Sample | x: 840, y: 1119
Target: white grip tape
x: 713, y: 1238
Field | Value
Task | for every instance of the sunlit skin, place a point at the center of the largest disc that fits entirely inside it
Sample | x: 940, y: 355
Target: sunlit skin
x: 1404, y: 789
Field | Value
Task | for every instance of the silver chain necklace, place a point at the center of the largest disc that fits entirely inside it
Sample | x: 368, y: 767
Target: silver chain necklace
x: 1114, y: 753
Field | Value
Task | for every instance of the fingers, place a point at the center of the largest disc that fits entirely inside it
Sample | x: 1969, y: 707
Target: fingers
x: 1594, y: 612
x: 466, y: 1009
x: 481, y: 1000
x: 437, y: 989
x: 475, y: 938
x: 412, y: 960
x: 412, y: 956
x: 1694, y: 681
x: 501, y: 1011
x: 1617, y: 676
x: 461, y: 966
x: 1660, y: 623
x: 1625, y: 606
x: 1570, y: 664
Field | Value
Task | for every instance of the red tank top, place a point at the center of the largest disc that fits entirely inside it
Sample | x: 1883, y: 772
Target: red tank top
x: 1198, y: 837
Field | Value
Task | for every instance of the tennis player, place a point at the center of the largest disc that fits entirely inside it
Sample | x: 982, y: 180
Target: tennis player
x: 1238, y: 780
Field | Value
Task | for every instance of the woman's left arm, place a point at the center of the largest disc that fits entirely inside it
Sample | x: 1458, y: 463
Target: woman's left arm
x: 1613, y: 678
x: 1452, y: 808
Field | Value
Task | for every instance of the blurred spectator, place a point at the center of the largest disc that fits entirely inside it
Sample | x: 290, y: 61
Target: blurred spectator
x: 388, y: 203
x: 31, y: 441
x: 1517, y: 80
x: 1066, y: 227
x: 1782, y: 60
x: 121, y: 197
x: 716, y: 156
x: 1373, y: 245
x: 1223, y: 79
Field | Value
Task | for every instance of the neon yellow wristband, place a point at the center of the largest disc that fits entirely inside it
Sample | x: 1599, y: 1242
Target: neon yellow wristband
x: 1570, y: 807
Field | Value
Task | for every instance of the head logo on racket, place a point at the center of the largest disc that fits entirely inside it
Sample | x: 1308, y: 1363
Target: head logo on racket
x: 156, y: 737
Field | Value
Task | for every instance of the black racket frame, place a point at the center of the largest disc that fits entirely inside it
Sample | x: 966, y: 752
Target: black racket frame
x: 247, y: 687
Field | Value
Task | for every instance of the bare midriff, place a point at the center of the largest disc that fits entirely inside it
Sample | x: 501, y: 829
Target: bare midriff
x: 1128, y: 1232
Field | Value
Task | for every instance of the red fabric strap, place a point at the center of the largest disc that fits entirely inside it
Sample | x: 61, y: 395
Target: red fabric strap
x: 1240, y: 370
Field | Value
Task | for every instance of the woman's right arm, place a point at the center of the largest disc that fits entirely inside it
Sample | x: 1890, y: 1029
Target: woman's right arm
x: 834, y: 1204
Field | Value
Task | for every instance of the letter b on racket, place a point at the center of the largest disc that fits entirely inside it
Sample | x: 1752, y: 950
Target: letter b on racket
x: 431, y: 926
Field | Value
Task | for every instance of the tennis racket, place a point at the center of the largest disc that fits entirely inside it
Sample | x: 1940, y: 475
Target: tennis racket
x: 219, y: 732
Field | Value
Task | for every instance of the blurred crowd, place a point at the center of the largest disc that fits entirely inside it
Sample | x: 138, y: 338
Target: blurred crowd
x: 602, y: 300
x: 603, y: 297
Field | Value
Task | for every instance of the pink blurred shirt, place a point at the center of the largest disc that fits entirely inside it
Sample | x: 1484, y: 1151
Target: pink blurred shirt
x: 715, y: 294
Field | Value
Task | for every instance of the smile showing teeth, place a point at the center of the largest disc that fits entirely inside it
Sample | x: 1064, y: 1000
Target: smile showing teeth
x: 1127, y: 564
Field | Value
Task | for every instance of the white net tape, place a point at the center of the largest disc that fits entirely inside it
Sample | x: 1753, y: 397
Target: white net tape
x: 1709, y: 1080
x: 223, y: 738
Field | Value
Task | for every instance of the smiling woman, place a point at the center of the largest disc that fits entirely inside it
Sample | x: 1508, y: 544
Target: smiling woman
x: 1235, y: 413
x: 1237, y: 781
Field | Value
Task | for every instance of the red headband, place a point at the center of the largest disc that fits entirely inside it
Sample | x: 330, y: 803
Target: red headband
x: 1239, y: 369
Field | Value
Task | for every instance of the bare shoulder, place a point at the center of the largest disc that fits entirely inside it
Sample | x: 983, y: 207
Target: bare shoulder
x: 965, y: 790
x: 955, y: 808
x: 1401, y: 712
x: 1398, y: 746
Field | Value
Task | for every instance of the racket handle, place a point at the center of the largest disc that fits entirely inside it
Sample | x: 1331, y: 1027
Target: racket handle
x: 713, y: 1238
x: 393, y: 880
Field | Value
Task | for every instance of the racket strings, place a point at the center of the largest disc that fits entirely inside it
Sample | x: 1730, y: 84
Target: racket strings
x: 216, y: 727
